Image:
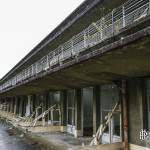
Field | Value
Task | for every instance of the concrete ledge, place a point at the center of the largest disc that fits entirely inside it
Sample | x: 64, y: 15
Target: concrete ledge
x: 40, y: 129
x: 115, y: 146
x: 137, y: 147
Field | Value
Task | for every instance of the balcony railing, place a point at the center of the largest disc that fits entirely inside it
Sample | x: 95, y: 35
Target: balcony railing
x: 107, y: 27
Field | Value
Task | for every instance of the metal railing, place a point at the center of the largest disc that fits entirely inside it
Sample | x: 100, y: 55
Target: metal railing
x: 97, y: 32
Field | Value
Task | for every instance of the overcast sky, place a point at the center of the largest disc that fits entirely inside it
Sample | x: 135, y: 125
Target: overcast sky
x: 24, y: 23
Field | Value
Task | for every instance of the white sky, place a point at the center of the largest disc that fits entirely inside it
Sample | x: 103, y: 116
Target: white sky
x: 24, y: 23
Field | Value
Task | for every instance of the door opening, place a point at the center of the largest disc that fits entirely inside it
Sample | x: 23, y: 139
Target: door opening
x: 109, y: 97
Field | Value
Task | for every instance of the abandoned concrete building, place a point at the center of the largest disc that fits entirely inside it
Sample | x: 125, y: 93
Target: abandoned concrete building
x: 89, y: 77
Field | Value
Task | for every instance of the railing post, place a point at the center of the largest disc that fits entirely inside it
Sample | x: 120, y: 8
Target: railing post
x: 85, y: 37
x: 101, y: 26
x: 35, y: 68
x: 47, y: 61
x: 61, y: 56
x: 62, y: 51
x: 123, y: 18
x: 113, y: 22
x: 72, y: 50
x: 32, y: 69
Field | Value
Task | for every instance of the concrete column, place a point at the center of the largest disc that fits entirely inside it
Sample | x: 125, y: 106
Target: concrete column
x: 33, y: 102
x: 18, y: 105
x: 24, y: 105
x: 44, y: 96
x: 63, y: 105
x: 78, y: 113
x: 7, y: 102
x: 11, y: 105
x: 38, y: 103
x: 21, y: 107
x: 47, y: 105
x: 15, y: 105
x: 28, y: 106
x: 96, y: 108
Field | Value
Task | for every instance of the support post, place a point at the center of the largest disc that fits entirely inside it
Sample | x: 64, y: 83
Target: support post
x: 21, y: 107
x: 44, y: 96
x: 28, y: 106
x: 123, y: 18
x: 96, y: 108
x: 24, y: 105
x: 113, y: 22
x: 11, y: 105
x: 78, y: 113
x: 63, y: 107
x: 15, y: 105
x: 7, y: 104
x: 125, y: 114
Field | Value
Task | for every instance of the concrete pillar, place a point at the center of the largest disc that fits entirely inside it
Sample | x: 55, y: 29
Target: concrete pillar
x: 44, y: 96
x: 33, y: 102
x: 63, y: 105
x: 21, y: 107
x: 15, y: 105
x: 78, y: 113
x: 24, y: 105
x: 38, y: 103
x: 96, y: 108
x: 28, y: 106
x: 11, y: 105
x: 18, y: 105
x: 7, y: 102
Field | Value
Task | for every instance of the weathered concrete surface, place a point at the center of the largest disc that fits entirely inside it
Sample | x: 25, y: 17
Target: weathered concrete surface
x: 61, y: 141
x: 45, y: 129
